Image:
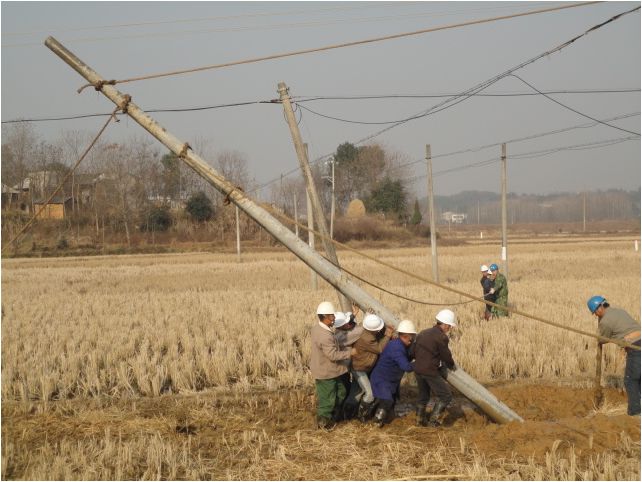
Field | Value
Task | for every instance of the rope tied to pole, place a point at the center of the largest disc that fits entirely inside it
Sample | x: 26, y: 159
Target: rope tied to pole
x: 184, y: 149
x: 125, y: 103
x: 227, y: 201
x: 98, y: 86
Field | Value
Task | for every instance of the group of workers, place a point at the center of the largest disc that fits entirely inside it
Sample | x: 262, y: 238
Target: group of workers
x: 358, y: 369
x: 495, y: 289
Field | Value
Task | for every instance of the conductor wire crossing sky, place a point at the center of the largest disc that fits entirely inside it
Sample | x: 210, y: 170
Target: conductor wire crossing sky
x: 456, y: 99
x: 223, y: 120
x: 343, y: 45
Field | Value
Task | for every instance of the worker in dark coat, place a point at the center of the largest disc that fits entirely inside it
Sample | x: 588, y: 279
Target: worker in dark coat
x: 432, y: 358
x: 487, y: 289
x: 387, y: 374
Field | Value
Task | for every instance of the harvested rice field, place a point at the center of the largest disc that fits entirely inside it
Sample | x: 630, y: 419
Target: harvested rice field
x: 195, y: 366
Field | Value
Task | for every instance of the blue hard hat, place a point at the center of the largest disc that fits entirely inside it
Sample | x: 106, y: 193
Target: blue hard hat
x: 493, y: 267
x: 594, y: 303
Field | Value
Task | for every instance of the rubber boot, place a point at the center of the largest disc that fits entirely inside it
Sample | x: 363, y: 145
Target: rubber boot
x: 365, y: 411
x: 350, y: 411
x: 380, y: 416
x: 436, y: 412
x: 325, y: 423
x: 337, y: 413
x: 421, y: 415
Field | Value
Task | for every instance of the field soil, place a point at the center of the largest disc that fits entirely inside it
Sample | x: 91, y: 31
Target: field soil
x: 271, y: 435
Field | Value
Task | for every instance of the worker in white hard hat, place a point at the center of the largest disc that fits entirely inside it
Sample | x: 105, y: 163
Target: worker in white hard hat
x: 432, y: 359
x: 387, y: 374
x: 373, y: 339
x: 487, y: 289
x: 326, y: 357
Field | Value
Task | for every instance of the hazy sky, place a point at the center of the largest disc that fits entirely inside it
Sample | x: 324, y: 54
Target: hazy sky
x: 172, y: 35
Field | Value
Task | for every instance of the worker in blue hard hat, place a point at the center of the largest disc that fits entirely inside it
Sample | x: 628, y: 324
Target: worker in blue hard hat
x: 618, y: 324
x: 500, y: 285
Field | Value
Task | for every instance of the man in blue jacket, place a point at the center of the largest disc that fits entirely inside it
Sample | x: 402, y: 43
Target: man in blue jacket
x: 388, y: 372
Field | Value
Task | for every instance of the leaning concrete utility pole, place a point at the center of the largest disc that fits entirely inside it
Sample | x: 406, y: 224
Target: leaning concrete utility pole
x: 333, y: 275
x: 504, y: 212
x: 431, y: 206
x: 302, y: 155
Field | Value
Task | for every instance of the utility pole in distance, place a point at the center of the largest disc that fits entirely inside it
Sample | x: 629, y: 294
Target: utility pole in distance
x: 314, y: 280
x: 333, y: 204
x: 431, y: 206
x: 584, y: 213
x: 238, y: 236
x: 296, y: 217
x: 504, y: 212
x: 312, y: 190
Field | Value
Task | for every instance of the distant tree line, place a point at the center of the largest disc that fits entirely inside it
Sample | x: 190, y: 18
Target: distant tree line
x: 133, y: 186
x: 485, y: 207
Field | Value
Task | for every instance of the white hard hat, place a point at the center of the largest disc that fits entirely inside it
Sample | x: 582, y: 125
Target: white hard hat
x: 407, y: 326
x: 484, y: 267
x: 325, y: 308
x: 372, y: 322
x: 339, y: 319
x: 447, y: 317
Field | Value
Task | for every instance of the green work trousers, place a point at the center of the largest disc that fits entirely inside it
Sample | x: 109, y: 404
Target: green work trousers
x: 330, y: 394
x: 501, y: 292
x: 498, y: 311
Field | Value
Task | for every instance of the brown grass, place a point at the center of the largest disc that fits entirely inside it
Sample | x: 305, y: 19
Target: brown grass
x: 195, y: 366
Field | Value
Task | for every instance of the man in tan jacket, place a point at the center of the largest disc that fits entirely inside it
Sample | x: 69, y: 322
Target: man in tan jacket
x: 326, y: 365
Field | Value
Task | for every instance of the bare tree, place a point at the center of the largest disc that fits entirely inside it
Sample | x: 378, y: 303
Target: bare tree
x: 18, y: 151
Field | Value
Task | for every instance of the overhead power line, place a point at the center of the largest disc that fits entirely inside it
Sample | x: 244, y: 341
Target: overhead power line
x: 350, y: 44
x: 571, y: 109
x: 322, y: 98
x: 184, y: 109
x: 528, y: 155
x: 469, y: 92
x: 350, y: 121
x: 312, y: 98
x: 193, y: 20
x: 518, y: 139
x: 250, y: 28
x: 484, y: 85
x: 261, y: 15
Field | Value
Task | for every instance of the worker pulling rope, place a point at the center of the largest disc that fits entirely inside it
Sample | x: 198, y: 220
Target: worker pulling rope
x: 621, y: 343
x: 98, y: 86
x: 122, y: 107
